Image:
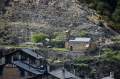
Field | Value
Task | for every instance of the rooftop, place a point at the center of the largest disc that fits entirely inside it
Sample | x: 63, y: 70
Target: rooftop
x: 59, y: 74
x: 27, y: 67
x: 80, y: 39
x: 33, y: 54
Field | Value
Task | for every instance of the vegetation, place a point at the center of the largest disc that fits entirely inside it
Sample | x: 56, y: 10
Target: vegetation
x: 83, y: 33
x: 116, y: 39
x: 58, y: 44
x: 83, y: 69
x: 6, y: 36
x: 111, y: 55
x: 60, y: 49
x: 58, y: 40
x: 1, y: 4
x: 84, y: 59
x: 109, y: 9
x: 108, y: 62
x: 38, y: 37
x: 59, y: 36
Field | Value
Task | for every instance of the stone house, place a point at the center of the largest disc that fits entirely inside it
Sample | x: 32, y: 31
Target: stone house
x: 79, y: 44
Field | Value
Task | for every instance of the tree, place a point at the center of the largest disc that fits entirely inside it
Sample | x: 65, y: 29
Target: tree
x: 60, y: 36
x: 59, y: 39
x: 2, y: 2
x: 83, y: 33
x: 38, y: 37
x: 116, y: 15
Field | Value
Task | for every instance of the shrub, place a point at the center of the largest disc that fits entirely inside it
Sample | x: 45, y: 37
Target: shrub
x: 83, y: 33
x: 59, y: 44
x: 83, y: 59
x: 38, y: 37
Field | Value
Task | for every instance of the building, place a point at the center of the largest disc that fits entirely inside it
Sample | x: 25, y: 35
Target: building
x: 27, y: 61
x: 63, y: 74
x: 59, y: 73
x: 78, y: 44
x: 28, y: 64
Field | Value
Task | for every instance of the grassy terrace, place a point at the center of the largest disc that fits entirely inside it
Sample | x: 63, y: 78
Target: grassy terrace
x: 43, y: 49
x: 60, y: 49
x: 17, y: 46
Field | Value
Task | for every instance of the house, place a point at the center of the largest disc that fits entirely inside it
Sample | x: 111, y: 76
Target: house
x: 31, y: 65
x: 28, y: 62
x: 78, y: 44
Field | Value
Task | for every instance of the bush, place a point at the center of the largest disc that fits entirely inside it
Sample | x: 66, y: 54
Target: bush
x: 83, y: 69
x: 83, y: 33
x: 108, y: 8
x: 59, y: 36
x: 38, y: 37
x: 116, y: 15
x: 111, y: 55
x: 83, y: 59
x: 58, y: 44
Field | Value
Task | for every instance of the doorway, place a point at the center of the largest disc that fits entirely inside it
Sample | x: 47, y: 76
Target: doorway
x: 71, y: 48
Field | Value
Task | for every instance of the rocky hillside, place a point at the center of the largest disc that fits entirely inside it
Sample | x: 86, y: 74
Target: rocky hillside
x: 50, y: 16
x: 109, y: 9
x: 55, y: 13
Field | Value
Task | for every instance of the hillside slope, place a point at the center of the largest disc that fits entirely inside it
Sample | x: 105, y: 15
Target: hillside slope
x: 49, y: 16
x: 55, y: 13
x: 109, y: 9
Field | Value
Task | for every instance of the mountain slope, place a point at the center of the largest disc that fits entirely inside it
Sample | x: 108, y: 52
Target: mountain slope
x: 56, y: 13
x: 49, y: 16
x: 109, y: 9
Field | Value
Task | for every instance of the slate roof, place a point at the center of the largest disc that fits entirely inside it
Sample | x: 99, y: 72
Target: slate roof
x: 59, y: 74
x: 33, y: 54
x: 80, y: 39
x: 27, y: 67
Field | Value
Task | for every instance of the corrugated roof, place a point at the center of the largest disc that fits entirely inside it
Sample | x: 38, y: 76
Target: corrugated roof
x: 33, y: 54
x: 80, y: 39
